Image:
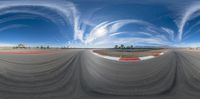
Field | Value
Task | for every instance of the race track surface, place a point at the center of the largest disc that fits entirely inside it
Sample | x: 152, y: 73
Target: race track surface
x: 78, y: 74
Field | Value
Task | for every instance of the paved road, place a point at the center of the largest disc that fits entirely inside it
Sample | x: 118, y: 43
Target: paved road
x: 78, y: 74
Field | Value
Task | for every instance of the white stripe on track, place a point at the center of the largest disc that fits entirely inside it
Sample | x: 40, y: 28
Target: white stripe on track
x: 106, y: 57
x: 146, y: 57
x: 118, y: 58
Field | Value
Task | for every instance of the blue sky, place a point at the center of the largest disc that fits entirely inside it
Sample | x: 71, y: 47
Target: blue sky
x: 100, y: 23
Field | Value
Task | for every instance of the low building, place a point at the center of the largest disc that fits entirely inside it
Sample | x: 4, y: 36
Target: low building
x: 21, y: 46
x: 194, y: 48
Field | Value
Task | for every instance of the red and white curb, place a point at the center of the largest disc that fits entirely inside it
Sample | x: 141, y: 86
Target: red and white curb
x: 106, y: 57
x: 141, y: 58
x: 128, y: 59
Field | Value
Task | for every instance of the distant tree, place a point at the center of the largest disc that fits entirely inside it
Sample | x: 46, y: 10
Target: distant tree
x: 63, y: 47
x: 116, y: 47
x: 41, y: 47
x: 48, y: 47
x: 122, y: 46
x: 128, y: 47
x: 14, y: 47
x: 131, y: 46
x: 21, y: 46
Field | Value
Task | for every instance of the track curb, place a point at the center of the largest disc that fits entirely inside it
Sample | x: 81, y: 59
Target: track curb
x: 128, y: 59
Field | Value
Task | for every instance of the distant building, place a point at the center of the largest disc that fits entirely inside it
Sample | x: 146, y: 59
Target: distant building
x: 194, y: 48
x: 21, y: 46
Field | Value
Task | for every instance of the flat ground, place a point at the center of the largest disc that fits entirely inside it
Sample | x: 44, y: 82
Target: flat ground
x: 129, y: 52
x: 79, y: 74
x: 8, y: 49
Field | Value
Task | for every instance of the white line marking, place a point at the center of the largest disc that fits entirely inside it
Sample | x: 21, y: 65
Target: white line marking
x: 161, y: 53
x: 118, y: 58
x: 146, y: 57
x: 106, y: 57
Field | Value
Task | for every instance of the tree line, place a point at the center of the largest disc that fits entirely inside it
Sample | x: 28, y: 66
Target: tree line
x: 122, y: 46
x: 43, y: 47
x: 22, y: 46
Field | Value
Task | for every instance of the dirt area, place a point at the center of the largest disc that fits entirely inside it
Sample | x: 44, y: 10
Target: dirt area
x: 8, y: 50
x: 129, y: 54
x: 191, y: 51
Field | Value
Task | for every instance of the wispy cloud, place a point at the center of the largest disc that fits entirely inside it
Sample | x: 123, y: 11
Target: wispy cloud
x: 189, y: 12
x: 65, y: 9
x: 12, y: 27
x: 107, y: 33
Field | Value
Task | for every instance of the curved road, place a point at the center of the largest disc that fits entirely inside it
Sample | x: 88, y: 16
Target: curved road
x: 78, y: 74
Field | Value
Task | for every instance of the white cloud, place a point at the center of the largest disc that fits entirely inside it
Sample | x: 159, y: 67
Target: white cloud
x: 12, y: 26
x: 105, y: 28
x: 65, y: 9
x: 106, y: 33
x: 170, y: 32
x: 187, y: 15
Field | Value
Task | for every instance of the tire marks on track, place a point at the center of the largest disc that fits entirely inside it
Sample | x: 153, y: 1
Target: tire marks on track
x: 77, y: 74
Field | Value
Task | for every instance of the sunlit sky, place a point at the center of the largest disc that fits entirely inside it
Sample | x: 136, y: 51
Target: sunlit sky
x: 100, y: 23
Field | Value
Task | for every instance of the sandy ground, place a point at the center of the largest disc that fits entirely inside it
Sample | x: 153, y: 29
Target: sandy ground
x: 190, y: 51
x: 6, y: 50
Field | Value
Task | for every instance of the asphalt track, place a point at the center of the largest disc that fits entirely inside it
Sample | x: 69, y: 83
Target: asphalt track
x: 78, y: 74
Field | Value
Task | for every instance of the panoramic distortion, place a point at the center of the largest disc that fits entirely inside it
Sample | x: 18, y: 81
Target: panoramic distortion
x: 86, y: 49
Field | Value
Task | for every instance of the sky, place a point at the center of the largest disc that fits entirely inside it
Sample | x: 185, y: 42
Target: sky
x: 100, y: 23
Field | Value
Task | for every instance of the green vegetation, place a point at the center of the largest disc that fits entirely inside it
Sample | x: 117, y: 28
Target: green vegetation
x: 65, y: 47
x: 20, y: 46
x: 44, y: 47
x: 123, y: 47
